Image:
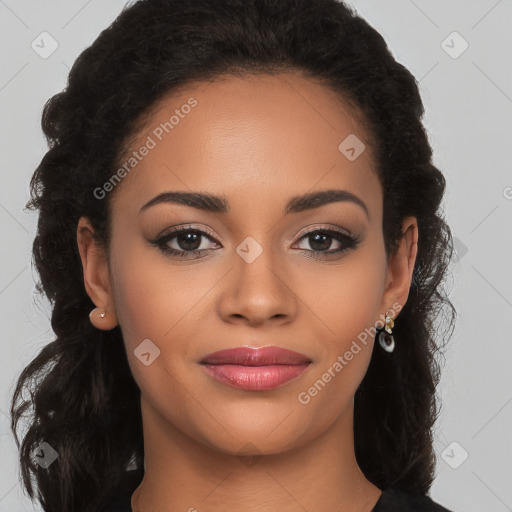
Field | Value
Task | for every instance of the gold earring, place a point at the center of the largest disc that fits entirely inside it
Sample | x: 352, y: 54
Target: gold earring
x: 386, y: 340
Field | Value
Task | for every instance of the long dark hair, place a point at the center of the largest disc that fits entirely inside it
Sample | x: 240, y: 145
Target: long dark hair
x: 81, y: 397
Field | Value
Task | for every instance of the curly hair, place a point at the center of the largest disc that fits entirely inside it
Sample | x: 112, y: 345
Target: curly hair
x: 83, y: 399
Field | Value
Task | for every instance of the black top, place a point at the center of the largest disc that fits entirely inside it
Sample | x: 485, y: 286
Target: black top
x: 391, y: 499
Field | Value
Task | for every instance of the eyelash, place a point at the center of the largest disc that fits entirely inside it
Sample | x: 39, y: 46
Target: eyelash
x: 348, y: 242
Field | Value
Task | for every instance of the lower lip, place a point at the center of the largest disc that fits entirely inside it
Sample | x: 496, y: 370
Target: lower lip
x: 254, y: 378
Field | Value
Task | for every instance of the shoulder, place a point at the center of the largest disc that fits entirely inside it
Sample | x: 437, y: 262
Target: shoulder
x: 123, y: 495
x: 394, y: 500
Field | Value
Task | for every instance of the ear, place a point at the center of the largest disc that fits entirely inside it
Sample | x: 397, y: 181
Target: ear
x: 96, y: 275
x: 400, y: 268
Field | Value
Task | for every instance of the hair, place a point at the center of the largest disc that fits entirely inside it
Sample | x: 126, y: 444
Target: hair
x: 83, y: 399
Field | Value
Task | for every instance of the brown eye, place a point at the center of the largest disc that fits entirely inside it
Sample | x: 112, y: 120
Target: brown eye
x: 321, y: 240
x: 184, y: 242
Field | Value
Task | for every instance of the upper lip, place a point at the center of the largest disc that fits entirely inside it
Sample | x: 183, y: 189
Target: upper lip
x: 248, y: 356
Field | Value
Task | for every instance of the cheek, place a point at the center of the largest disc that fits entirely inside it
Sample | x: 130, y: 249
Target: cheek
x: 346, y: 299
x: 158, y: 300
x: 153, y: 303
x: 348, y: 312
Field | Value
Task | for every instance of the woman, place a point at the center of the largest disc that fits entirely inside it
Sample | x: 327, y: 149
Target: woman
x: 240, y: 233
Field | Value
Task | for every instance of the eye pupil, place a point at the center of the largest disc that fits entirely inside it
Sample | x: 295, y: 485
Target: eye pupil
x: 189, y: 238
x: 324, y: 240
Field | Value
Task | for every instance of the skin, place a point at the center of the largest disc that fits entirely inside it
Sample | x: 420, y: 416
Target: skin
x: 257, y: 142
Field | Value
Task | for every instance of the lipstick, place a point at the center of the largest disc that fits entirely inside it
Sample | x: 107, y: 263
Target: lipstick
x: 255, y: 369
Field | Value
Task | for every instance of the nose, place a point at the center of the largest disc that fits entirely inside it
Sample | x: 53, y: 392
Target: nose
x: 258, y: 293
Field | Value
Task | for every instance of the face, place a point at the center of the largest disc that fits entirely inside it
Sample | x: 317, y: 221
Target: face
x: 257, y: 267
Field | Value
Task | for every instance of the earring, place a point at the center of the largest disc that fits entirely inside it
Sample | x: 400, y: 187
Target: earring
x: 386, y: 340
x: 100, y: 320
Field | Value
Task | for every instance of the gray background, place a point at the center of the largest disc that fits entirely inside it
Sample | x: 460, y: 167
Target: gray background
x: 468, y: 100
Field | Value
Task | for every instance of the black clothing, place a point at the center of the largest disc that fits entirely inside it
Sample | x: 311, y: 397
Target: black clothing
x: 391, y: 499
x: 394, y: 500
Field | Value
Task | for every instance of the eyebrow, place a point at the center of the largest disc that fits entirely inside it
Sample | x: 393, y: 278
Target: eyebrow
x: 217, y: 204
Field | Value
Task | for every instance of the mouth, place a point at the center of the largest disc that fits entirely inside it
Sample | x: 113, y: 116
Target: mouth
x: 255, y: 369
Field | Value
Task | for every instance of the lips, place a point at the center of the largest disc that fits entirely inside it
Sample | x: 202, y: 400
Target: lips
x: 255, y: 369
x: 263, y: 356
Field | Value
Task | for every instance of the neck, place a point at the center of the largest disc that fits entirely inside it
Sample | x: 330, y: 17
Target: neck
x: 182, y: 473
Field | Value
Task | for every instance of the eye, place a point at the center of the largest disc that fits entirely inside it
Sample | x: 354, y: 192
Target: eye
x: 320, y: 240
x: 184, y: 242
x: 189, y: 243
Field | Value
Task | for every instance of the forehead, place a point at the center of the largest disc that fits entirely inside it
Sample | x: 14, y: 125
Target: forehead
x: 261, y: 134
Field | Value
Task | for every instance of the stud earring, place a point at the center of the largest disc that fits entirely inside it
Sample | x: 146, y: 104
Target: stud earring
x: 101, y: 320
x: 386, y: 340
